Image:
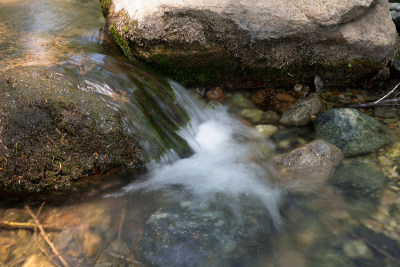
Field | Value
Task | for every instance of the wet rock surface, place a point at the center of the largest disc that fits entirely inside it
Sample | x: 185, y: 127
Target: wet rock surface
x: 179, y: 236
x: 359, y: 179
x: 353, y: 132
x: 53, y: 134
x: 311, y: 164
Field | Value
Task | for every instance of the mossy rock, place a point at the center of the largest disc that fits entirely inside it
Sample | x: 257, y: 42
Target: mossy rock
x: 52, y: 134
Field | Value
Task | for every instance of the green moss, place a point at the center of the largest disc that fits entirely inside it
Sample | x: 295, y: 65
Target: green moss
x: 105, y: 4
x: 186, y: 74
x: 122, y: 43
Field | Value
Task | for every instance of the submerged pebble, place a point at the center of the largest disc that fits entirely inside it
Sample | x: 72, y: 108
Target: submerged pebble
x: 266, y: 130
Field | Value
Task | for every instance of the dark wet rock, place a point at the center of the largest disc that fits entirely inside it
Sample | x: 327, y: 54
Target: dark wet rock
x: 312, y: 164
x: 303, y: 111
x: 318, y: 84
x: 357, y: 179
x: 270, y: 117
x: 53, y: 134
x: 216, y: 94
x: 386, y: 112
x: 395, y: 68
x: 329, y: 258
x: 352, y: 131
x: 176, y: 236
x: 300, y: 90
x: 380, y: 243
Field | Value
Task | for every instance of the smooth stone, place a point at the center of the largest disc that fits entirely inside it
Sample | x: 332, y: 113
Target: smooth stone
x: 310, y: 165
x: 216, y: 94
x: 254, y: 115
x: 303, y: 111
x: 239, y: 100
x: 357, y: 249
x: 266, y: 130
x: 357, y: 179
x: 355, y: 133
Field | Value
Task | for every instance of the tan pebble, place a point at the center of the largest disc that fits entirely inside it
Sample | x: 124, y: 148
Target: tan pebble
x: 91, y: 244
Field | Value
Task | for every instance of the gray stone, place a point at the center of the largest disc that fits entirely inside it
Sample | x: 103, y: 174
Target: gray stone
x: 303, y: 111
x: 355, y: 133
x: 312, y: 163
x: 212, y: 38
x: 270, y: 117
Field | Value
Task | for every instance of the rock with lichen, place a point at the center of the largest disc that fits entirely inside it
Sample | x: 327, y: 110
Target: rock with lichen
x: 207, y: 41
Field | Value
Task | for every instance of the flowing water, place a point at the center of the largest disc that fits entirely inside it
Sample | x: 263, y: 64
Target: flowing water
x: 209, y: 195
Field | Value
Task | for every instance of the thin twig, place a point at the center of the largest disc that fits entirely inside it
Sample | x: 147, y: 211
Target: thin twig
x: 121, y: 223
x: 388, y: 94
x: 387, y: 102
x: 46, y: 237
x: 25, y: 225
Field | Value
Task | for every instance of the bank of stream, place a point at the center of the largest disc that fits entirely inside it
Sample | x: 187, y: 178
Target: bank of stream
x: 213, y: 194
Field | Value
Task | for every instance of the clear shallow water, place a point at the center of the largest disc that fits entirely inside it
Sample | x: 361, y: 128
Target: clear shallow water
x: 225, y: 196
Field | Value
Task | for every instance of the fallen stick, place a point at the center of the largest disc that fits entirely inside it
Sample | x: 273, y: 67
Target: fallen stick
x: 25, y: 225
x: 46, y: 237
x: 388, y: 94
x: 387, y: 102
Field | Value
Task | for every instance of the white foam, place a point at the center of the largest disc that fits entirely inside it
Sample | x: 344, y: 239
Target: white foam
x: 223, y: 162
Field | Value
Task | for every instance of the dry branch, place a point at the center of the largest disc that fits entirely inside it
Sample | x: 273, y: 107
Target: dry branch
x: 25, y: 225
x: 46, y: 237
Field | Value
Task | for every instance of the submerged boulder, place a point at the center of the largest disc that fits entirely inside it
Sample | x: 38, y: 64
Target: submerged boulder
x: 355, y: 133
x: 272, y: 41
x: 178, y: 236
x: 52, y: 133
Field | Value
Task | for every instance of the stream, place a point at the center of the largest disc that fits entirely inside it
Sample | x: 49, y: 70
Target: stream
x: 210, y: 194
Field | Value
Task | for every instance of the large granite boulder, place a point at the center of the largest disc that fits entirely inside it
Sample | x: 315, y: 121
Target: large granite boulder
x: 277, y: 41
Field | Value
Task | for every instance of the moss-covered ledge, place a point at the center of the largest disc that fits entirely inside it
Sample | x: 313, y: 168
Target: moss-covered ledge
x: 52, y: 134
